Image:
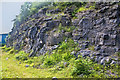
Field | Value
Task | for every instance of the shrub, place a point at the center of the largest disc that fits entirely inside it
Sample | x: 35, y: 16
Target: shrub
x: 81, y: 66
x: 29, y: 61
x: 85, y: 9
x: 22, y: 56
x: 118, y: 53
x: 67, y: 56
x: 49, y: 61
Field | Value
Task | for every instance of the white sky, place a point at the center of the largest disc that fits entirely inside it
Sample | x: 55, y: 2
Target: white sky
x: 8, y: 11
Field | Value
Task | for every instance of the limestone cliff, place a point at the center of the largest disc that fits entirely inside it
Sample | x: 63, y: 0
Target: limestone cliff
x: 98, y: 27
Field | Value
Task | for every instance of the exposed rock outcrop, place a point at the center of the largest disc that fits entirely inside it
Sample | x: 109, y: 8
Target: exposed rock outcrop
x: 100, y: 27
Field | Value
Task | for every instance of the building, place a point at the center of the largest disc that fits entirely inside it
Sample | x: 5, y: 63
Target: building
x: 2, y: 38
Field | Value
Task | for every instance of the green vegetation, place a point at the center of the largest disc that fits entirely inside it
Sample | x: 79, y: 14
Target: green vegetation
x: 21, y: 56
x: 91, y: 48
x: 60, y: 64
x: 30, y: 8
x: 83, y: 8
x: 66, y: 28
x: 118, y: 53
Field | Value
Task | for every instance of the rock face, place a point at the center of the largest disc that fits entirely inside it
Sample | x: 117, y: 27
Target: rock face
x: 99, y: 27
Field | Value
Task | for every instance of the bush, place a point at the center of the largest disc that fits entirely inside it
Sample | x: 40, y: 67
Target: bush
x: 29, y: 61
x: 49, y: 61
x: 22, y: 56
x: 67, y: 56
x: 81, y: 66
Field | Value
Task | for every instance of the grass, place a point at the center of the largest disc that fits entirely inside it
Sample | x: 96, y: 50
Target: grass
x: 16, y: 70
x: 83, y: 8
x: 60, y: 64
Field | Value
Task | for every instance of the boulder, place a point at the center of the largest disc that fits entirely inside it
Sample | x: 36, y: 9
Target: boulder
x: 75, y: 22
x: 102, y: 62
x: 17, y: 46
x: 84, y: 53
x: 65, y: 20
x: 85, y: 23
x: 68, y: 34
x: 54, y: 47
x: 48, y: 19
x: 54, y: 78
x: 32, y: 32
x: 26, y: 65
x: 98, y: 47
x: 54, y: 39
x: 104, y: 9
x: 113, y: 62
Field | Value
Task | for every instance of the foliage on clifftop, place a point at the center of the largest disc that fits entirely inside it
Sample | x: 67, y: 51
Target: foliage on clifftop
x: 30, y: 8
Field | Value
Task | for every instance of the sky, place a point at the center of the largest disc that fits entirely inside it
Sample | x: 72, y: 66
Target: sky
x: 8, y: 12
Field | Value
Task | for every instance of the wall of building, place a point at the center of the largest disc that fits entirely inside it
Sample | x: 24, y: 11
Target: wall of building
x: 2, y: 38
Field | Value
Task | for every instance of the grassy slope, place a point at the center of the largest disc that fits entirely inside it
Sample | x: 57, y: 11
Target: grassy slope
x: 12, y: 69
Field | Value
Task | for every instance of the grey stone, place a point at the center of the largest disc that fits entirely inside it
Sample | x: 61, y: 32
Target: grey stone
x: 25, y: 28
x: 26, y: 65
x: 32, y: 32
x: 105, y: 54
x: 98, y: 47
x: 17, y: 46
x: 99, y: 21
x: 114, y: 15
x: 103, y: 9
x: 48, y: 19
x: 98, y: 54
x: 54, y: 39
x: 113, y: 62
x: 92, y: 58
x: 84, y: 53
x: 68, y: 34
x: 108, y: 59
x: 84, y: 46
x: 85, y: 23
x: 55, y: 47
x: 50, y: 24
x: 54, y: 78
x: 75, y: 22
x: 65, y: 64
x: 7, y: 58
x: 98, y: 58
x: 65, y: 20
x: 42, y: 50
x: 74, y: 53
x: 32, y: 53
x: 102, y: 62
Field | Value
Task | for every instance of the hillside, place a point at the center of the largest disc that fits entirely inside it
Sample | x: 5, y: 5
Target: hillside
x: 80, y: 37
